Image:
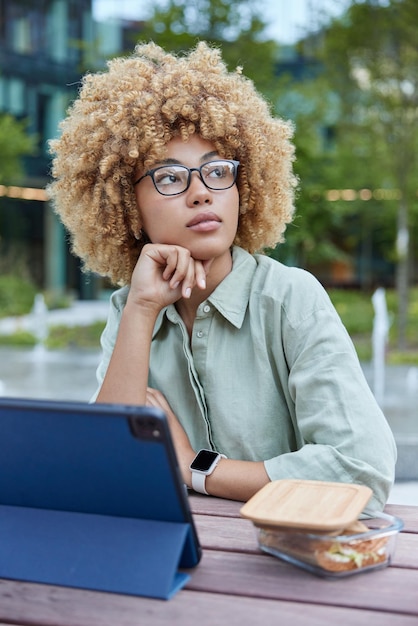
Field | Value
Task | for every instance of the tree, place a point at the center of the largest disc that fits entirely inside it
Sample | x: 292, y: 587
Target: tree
x: 233, y: 25
x: 320, y: 235
x: 14, y: 144
x: 371, y: 56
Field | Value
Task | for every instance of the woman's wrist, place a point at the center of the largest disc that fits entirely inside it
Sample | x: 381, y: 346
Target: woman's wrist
x: 185, y: 460
x: 145, y: 308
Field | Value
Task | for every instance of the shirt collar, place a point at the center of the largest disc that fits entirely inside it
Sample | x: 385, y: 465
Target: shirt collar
x: 230, y: 297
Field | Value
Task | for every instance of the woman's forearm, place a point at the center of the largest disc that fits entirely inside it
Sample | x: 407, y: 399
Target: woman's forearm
x: 126, y: 377
x: 237, y: 480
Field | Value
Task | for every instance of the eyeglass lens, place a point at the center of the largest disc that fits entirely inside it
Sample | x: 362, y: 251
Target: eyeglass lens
x: 173, y: 179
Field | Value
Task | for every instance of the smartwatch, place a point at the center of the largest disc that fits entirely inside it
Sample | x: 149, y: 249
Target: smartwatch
x: 203, y: 465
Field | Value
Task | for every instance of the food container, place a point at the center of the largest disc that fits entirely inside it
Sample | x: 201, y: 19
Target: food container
x: 314, y: 525
x: 336, y: 556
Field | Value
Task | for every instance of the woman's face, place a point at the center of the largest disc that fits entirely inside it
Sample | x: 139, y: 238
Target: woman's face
x: 202, y: 220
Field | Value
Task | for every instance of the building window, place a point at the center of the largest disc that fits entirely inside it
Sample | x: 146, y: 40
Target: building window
x: 12, y: 96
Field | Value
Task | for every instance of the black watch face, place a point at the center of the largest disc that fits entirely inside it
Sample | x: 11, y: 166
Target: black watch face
x: 203, y: 460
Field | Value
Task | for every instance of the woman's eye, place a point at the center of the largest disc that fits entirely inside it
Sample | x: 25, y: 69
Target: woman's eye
x: 166, y: 177
x: 216, y: 172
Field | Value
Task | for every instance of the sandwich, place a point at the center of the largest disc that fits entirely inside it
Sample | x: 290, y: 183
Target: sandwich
x: 337, y: 555
x: 340, y: 557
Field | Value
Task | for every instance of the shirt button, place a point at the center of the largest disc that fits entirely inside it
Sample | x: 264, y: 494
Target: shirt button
x: 199, y: 333
x: 206, y: 308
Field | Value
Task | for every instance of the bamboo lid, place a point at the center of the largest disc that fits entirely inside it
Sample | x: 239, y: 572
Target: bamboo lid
x: 307, y: 505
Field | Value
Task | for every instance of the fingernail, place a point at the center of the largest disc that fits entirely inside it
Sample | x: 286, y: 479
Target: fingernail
x: 176, y: 285
x: 188, y: 292
x: 202, y: 283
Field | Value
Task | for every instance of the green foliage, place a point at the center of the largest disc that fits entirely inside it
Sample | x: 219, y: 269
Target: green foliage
x: 356, y: 311
x: 356, y: 128
x: 233, y: 25
x: 16, y: 295
x: 18, y: 339
x: 320, y: 231
x: 57, y: 300
x: 371, y: 57
x: 14, y: 144
x: 61, y: 336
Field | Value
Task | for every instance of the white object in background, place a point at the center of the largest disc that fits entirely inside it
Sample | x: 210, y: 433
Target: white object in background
x: 379, y: 342
x: 39, y: 318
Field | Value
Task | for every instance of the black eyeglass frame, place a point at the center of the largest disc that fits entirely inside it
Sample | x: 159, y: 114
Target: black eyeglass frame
x: 189, y: 177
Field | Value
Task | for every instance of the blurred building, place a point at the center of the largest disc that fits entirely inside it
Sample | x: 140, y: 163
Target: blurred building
x: 45, y: 48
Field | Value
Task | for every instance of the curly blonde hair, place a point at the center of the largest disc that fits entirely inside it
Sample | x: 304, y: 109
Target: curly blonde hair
x: 121, y: 123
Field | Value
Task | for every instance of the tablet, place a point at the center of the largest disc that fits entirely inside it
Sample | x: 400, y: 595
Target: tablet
x: 97, y: 460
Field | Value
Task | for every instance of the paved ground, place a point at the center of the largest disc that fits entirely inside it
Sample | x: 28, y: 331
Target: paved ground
x: 70, y: 375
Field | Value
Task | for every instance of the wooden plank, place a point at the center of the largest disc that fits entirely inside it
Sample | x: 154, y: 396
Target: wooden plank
x: 408, y: 514
x: 207, y: 505
x: 265, y: 576
x: 406, y: 551
x: 238, y: 535
x: 24, y: 603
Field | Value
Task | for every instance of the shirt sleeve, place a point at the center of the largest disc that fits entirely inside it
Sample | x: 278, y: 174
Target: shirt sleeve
x: 109, y: 334
x: 343, y: 433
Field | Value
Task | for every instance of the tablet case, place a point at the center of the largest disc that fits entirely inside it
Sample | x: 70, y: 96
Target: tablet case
x: 91, y: 496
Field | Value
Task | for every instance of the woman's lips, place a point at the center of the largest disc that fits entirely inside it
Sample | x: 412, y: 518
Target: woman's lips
x: 204, y: 222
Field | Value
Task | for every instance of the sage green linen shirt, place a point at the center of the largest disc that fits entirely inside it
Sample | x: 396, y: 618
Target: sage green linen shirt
x: 269, y: 374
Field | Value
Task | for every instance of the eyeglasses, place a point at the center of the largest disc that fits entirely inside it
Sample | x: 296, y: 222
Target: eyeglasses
x: 171, y: 180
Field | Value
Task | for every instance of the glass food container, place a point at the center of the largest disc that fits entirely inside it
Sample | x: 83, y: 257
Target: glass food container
x: 367, y: 545
x: 315, y: 525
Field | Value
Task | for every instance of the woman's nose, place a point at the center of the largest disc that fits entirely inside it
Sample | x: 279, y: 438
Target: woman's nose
x: 198, y: 192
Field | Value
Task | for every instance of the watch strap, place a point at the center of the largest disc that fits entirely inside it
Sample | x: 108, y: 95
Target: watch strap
x: 199, y: 482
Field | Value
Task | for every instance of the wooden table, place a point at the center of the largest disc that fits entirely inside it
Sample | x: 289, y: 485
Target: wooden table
x: 237, y: 585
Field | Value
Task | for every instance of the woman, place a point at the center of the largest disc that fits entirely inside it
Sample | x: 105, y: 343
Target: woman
x: 170, y: 175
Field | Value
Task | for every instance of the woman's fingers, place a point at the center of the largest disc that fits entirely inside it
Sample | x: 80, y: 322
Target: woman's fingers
x: 200, y: 274
x: 180, y: 439
x: 181, y: 269
x: 176, y: 261
x: 156, y: 399
x: 167, y: 273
